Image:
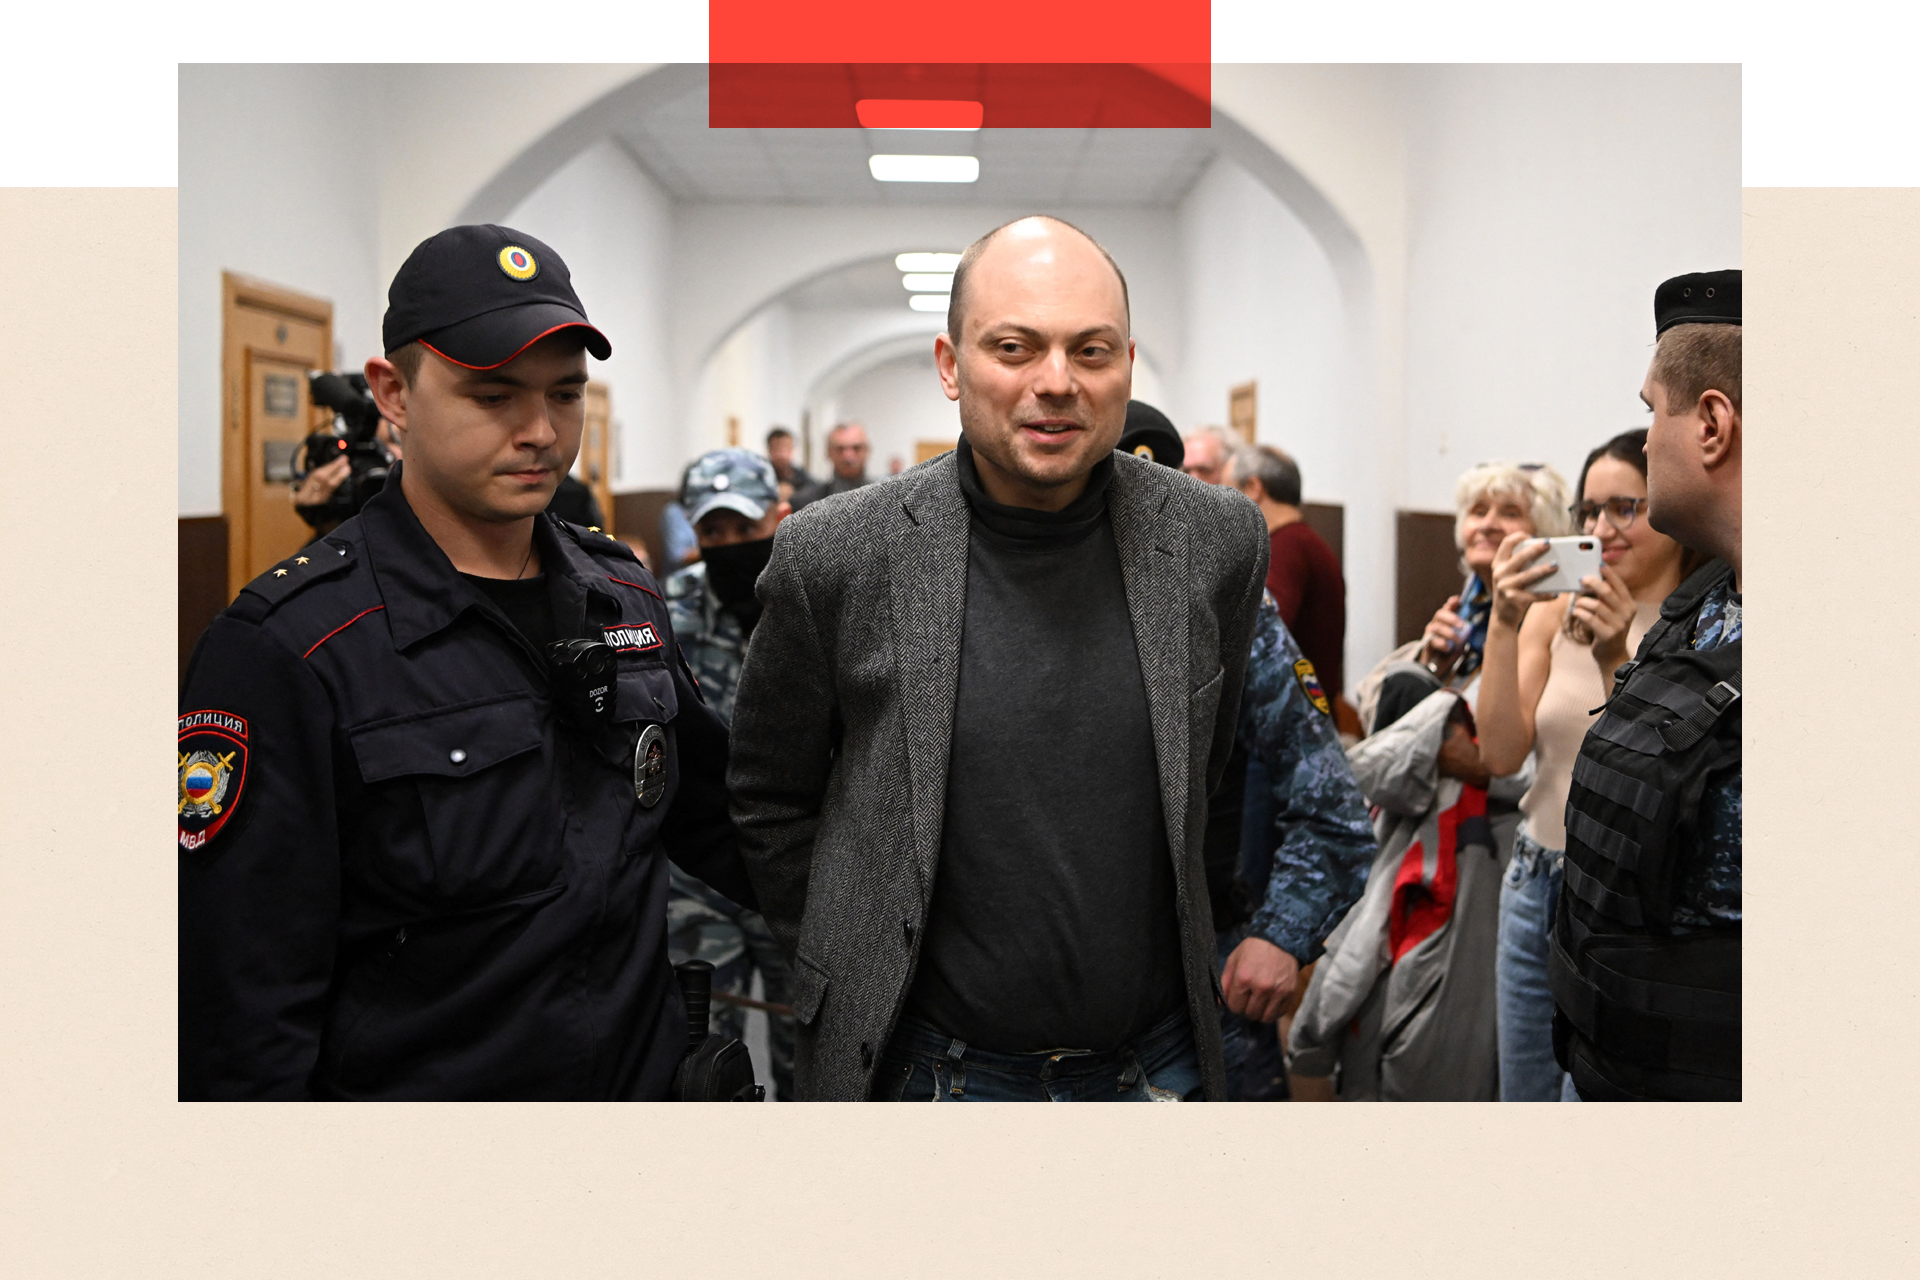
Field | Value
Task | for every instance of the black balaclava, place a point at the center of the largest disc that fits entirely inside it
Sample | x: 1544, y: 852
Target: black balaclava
x: 731, y: 572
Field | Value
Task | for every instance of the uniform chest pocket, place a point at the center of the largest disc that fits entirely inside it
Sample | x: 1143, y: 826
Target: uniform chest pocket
x: 646, y: 694
x: 465, y: 805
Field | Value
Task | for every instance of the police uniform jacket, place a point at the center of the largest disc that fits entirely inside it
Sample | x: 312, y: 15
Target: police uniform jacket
x: 418, y: 883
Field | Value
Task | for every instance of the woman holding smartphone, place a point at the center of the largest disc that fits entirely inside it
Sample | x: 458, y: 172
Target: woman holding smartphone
x: 1543, y: 670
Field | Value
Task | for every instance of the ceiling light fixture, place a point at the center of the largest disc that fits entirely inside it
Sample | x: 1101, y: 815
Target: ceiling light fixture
x: 928, y: 302
x: 915, y: 113
x: 926, y: 261
x: 924, y: 168
x: 928, y: 281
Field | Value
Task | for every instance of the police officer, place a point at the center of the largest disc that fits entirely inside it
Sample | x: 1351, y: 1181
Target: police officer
x: 1288, y: 842
x: 432, y: 767
x: 733, y: 497
x: 1645, y: 961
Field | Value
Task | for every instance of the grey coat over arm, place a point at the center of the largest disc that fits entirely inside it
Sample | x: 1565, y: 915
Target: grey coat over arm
x: 844, y: 720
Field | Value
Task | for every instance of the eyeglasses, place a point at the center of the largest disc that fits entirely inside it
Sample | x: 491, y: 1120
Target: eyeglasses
x: 1621, y: 512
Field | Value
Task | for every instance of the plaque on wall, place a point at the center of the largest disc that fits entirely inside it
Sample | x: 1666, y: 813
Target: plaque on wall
x: 282, y: 396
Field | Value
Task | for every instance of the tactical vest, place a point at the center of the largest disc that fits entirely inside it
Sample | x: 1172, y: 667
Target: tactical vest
x: 1643, y: 1011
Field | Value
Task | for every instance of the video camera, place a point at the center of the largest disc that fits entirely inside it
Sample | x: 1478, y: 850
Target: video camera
x: 356, y: 422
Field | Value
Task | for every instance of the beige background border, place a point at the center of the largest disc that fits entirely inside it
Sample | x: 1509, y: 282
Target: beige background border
x: 104, y: 1175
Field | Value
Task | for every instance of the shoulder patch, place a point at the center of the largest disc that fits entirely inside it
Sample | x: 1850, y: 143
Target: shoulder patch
x: 213, y: 773
x: 325, y: 558
x: 1310, y: 685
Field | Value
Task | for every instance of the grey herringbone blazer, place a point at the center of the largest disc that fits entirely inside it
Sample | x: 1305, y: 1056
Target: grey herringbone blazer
x: 844, y: 719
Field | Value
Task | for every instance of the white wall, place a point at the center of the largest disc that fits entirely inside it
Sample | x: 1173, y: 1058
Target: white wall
x: 274, y: 183
x: 1263, y: 303
x: 1545, y: 204
x: 898, y: 402
x: 613, y: 225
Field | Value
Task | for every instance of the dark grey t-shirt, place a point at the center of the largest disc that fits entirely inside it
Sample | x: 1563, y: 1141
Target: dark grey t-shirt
x: 1053, y: 922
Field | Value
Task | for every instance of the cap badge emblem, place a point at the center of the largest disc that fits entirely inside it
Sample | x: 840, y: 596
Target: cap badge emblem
x: 518, y: 263
x: 720, y: 482
x: 1143, y: 451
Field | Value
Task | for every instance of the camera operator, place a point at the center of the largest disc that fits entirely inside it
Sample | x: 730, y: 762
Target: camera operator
x: 432, y: 767
x: 313, y: 490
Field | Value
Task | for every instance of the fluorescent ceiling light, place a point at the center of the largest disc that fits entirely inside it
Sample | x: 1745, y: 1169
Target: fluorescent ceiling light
x: 917, y: 113
x: 926, y: 261
x: 924, y: 168
x: 928, y: 281
x: 928, y: 302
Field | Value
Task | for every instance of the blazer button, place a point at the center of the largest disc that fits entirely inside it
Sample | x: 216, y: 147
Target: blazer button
x: 908, y: 926
x: 866, y: 1054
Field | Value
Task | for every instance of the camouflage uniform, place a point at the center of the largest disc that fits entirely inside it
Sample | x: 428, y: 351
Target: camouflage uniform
x: 701, y: 923
x: 1306, y: 840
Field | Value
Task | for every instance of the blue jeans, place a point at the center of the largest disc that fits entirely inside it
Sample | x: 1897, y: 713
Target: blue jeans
x: 923, y: 1064
x: 1528, y: 896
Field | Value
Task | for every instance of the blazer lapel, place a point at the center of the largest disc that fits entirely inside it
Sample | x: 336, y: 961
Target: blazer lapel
x: 927, y: 579
x: 1153, y: 565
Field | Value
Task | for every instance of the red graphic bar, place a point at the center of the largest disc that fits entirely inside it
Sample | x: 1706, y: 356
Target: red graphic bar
x: 888, y: 31
x: 1006, y: 95
x: 918, y: 113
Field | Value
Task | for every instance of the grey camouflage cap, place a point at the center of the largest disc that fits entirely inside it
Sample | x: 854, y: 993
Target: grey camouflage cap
x: 730, y: 480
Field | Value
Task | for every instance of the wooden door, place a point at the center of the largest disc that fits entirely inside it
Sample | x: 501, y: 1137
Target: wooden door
x: 273, y: 336
x: 594, y: 466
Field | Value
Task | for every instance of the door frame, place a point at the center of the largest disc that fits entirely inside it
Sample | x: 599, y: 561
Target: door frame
x: 237, y: 291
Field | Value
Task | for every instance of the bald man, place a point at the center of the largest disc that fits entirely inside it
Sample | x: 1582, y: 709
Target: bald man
x: 981, y: 716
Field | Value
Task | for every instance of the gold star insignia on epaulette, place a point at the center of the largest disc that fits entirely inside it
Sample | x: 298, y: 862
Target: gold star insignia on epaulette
x: 279, y: 573
x: 300, y: 560
x: 593, y: 528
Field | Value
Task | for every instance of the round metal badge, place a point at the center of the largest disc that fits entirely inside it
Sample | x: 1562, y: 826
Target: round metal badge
x: 518, y: 263
x: 650, y: 766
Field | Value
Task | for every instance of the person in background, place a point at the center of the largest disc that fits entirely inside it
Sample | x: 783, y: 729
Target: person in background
x: 735, y: 503
x: 847, y: 452
x: 1645, y: 965
x: 1549, y: 660
x: 1491, y: 501
x: 677, y: 538
x: 1288, y: 840
x: 1150, y: 435
x: 575, y: 503
x: 1208, y: 450
x: 1303, y: 574
x: 792, y: 476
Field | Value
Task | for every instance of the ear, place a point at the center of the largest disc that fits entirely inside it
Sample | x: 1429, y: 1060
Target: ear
x: 389, y: 390
x: 1716, y: 429
x: 946, y: 358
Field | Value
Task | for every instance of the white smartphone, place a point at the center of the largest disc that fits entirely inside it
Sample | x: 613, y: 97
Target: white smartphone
x: 1576, y: 557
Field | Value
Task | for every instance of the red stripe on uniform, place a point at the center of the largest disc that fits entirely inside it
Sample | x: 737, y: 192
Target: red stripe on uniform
x: 649, y: 590
x: 342, y: 627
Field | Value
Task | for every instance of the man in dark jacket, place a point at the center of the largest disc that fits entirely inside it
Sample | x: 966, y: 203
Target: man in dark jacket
x: 431, y: 768
x: 980, y: 718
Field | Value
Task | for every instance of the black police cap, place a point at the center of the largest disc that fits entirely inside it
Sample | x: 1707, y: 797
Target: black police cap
x: 1150, y: 435
x: 480, y: 295
x: 1705, y: 297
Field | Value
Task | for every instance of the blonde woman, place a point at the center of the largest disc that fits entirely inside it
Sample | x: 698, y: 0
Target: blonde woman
x: 1547, y: 662
x: 1491, y: 502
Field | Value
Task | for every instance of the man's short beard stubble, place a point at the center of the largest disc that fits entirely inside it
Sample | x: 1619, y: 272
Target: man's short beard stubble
x: 1013, y: 463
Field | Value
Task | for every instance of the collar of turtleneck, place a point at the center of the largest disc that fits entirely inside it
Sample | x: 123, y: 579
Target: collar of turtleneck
x: 1031, y: 528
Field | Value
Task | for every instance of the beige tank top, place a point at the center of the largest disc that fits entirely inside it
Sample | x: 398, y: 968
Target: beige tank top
x: 1561, y: 721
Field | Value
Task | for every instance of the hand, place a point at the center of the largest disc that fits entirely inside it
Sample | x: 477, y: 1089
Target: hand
x: 1460, y: 757
x: 1514, y: 573
x: 1606, y: 606
x: 1445, y: 636
x: 317, y: 488
x: 1259, y: 980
